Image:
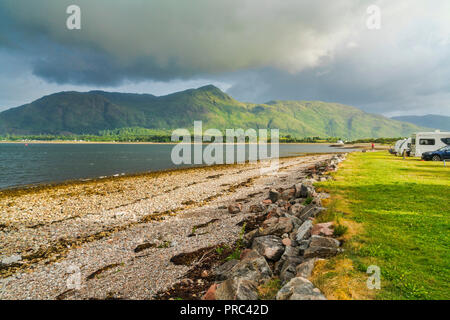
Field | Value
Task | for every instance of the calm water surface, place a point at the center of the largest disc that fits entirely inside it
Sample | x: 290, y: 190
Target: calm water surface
x: 22, y: 164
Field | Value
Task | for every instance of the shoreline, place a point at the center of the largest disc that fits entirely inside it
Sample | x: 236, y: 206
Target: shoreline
x: 137, y: 143
x: 20, y: 189
x: 101, y: 224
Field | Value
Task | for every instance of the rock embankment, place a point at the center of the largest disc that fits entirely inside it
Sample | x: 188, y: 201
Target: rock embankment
x: 285, y: 245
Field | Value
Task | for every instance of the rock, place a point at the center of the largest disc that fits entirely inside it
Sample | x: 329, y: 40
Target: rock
x: 319, y: 241
x: 267, y: 202
x: 11, y: 259
x: 320, y: 252
x: 288, y: 194
x: 270, y: 222
x: 248, y: 237
x: 283, y: 225
x: 296, y: 209
x: 305, y: 269
x: 304, y: 231
x: 303, y: 245
x: 287, y: 242
x: 244, y: 253
x: 305, y: 190
x: 291, y: 254
x: 223, y: 271
x: 296, y: 222
x: 288, y: 269
x: 299, y: 288
x: 323, y: 229
x: 257, y: 208
x: 274, y: 195
x: 252, y: 267
x: 237, y: 289
x: 204, y: 274
x: 311, y: 210
x: 270, y: 247
x: 211, y: 293
x: 235, y: 208
x: 298, y: 190
x: 282, y: 203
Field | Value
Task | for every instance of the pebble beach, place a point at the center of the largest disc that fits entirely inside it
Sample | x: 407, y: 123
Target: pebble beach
x: 92, y: 229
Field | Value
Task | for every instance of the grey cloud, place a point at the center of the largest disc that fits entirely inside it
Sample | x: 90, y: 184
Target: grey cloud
x: 267, y: 49
x: 168, y: 38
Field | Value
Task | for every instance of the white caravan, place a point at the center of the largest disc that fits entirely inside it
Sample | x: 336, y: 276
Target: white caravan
x: 405, y: 146
x: 428, y: 141
x: 397, y: 145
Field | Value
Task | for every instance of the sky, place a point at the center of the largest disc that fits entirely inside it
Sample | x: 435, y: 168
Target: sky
x: 255, y: 50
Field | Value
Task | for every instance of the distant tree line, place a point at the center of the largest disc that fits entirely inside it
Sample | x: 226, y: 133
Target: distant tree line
x: 137, y: 134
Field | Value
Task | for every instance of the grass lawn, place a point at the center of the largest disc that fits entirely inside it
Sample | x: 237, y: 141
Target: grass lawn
x: 398, y: 217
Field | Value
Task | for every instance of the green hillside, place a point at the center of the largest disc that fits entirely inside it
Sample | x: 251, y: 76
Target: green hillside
x: 91, y: 112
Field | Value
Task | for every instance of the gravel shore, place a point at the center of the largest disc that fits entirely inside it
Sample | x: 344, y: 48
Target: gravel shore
x: 89, y: 230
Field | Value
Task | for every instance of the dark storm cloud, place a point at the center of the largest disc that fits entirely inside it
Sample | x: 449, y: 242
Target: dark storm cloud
x: 266, y: 49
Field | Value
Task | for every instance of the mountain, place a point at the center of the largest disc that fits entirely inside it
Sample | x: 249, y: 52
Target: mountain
x: 430, y: 121
x: 89, y: 112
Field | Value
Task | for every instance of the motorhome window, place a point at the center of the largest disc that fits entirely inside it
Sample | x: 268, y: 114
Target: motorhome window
x: 446, y: 140
x: 427, y: 142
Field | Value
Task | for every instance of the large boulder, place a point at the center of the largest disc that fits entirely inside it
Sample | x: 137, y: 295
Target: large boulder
x: 304, y: 231
x: 223, y: 271
x: 320, y: 252
x: 283, y: 225
x: 305, y: 269
x: 252, y: 267
x: 311, y: 210
x: 319, y: 241
x: 289, y: 268
x: 299, y: 288
x: 290, y: 253
x: 270, y: 247
x: 237, y: 289
x: 323, y: 229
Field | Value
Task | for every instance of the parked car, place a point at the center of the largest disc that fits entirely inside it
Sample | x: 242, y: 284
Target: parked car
x: 438, y: 155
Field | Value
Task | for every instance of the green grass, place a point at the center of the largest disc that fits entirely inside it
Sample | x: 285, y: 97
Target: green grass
x: 403, y: 207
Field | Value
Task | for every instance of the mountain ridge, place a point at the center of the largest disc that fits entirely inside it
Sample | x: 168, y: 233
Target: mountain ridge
x: 430, y: 120
x: 90, y: 112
